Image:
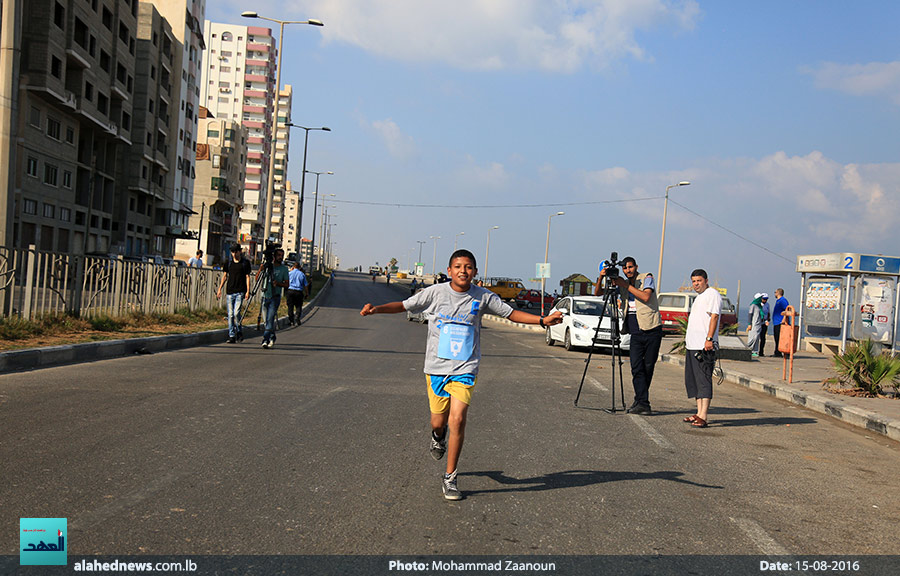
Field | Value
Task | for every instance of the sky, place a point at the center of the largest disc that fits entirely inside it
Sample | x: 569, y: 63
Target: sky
x: 455, y: 117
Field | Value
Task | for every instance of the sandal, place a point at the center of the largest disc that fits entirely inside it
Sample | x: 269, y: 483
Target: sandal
x: 699, y: 422
x: 690, y: 418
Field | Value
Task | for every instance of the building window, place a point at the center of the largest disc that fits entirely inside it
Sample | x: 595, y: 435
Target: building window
x: 56, y: 67
x: 67, y: 179
x: 53, y: 128
x: 49, y: 211
x: 29, y: 207
x: 70, y: 135
x: 35, y: 117
x: 59, y: 16
x: 88, y: 91
x: 104, y: 61
x: 107, y: 18
x: 215, y: 160
x: 51, y: 174
x: 32, y: 167
x: 212, y: 133
x: 65, y: 214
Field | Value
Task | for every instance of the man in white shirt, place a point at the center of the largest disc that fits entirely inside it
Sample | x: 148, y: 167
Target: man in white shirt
x: 701, y: 342
x: 196, y: 261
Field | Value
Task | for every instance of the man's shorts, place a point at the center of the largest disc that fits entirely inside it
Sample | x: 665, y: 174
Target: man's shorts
x: 441, y: 388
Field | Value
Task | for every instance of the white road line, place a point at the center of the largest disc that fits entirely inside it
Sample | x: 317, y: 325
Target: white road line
x: 652, y: 432
x: 523, y: 345
x: 593, y: 381
x: 560, y: 360
x: 765, y: 543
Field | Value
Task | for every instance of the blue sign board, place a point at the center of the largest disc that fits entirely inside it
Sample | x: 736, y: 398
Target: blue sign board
x: 879, y: 264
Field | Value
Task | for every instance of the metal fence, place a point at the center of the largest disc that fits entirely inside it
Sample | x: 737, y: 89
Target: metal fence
x: 35, y: 283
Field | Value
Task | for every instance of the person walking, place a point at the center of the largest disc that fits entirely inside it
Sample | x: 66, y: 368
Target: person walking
x: 755, y: 315
x: 272, y: 289
x: 296, y: 288
x: 236, y: 281
x: 453, y: 352
x: 766, y: 320
x: 781, y: 304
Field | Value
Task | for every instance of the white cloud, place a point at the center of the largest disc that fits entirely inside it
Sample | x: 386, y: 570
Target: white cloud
x: 399, y: 144
x: 492, y: 175
x: 877, y: 79
x: 553, y: 35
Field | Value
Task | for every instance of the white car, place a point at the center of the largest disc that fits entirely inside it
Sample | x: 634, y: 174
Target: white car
x: 580, y: 316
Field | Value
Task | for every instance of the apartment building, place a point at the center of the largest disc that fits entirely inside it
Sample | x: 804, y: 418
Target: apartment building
x: 290, y: 202
x: 186, y: 18
x: 77, y: 81
x: 141, y: 212
x: 240, y: 85
x: 218, y: 188
x: 282, y: 146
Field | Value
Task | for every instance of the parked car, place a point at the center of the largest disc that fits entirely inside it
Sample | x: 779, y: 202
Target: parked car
x: 579, y: 324
x: 505, y: 288
x: 675, y: 305
x: 532, y: 299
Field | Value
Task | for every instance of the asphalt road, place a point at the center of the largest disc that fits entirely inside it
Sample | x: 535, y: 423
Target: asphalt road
x: 319, y: 446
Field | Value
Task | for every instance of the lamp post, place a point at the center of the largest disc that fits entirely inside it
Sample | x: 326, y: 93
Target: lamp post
x: 303, y: 176
x: 455, y: 238
x: 662, y: 242
x: 421, y: 243
x: 270, y: 183
x: 315, y: 211
x: 487, y: 252
x: 546, y: 256
x: 434, y: 257
x: 326, y: 231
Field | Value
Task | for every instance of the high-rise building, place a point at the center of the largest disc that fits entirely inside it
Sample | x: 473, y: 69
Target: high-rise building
x: 291, y: 210
x: 147, y: 174
x: 282, y: 145
x: 75, y: 122
x: 186, y: 18
x: 240, y: 72
x: 221, y: 151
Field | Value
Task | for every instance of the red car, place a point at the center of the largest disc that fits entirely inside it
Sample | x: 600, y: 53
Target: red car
x: 532, y: 299
x: 675, y: 305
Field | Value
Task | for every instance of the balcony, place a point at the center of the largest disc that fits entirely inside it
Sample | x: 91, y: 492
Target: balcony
x: 255, y: 78
x: 258, y: 46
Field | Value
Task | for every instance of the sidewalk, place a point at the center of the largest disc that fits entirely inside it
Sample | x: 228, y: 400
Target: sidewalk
x: 878, y: 415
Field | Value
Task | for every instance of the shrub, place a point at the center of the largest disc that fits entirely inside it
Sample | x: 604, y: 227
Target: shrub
x: 105, y: 324
x: 860, y: 369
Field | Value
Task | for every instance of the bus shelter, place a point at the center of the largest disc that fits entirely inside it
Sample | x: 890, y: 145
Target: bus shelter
x: 847, y: 296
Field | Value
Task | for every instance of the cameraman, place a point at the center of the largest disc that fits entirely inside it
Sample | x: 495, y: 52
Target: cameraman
x: 642, y: 322
x: 273, y: 287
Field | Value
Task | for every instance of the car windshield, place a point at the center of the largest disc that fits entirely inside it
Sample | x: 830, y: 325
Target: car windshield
x: 587, y: 308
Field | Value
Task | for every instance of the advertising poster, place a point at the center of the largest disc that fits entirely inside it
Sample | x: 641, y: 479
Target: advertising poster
x: 823, y: 302
x: 874, y: 310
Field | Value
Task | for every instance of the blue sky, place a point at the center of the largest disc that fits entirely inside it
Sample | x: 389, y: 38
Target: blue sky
x: 784, y: 116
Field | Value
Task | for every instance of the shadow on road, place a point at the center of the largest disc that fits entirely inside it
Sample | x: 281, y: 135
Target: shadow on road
x: 574, y: 479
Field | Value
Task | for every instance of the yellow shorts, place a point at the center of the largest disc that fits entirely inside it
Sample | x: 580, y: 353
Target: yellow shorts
x: 442, y: 388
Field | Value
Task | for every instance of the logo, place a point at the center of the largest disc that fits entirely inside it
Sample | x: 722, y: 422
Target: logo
x: 42, y: 541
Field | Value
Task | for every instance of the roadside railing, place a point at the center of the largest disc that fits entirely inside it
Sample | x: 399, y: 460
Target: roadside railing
x: 35, y: 283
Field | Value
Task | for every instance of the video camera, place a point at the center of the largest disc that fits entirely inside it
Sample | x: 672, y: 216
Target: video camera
x: 611, y: 266
x: 269, y: 252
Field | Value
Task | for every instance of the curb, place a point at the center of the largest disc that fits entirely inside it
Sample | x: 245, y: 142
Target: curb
x: 36, y: 358
x: 816, y: 402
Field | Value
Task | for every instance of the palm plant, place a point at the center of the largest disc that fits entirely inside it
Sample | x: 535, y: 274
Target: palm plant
x: 860, y: 369
x: 679, y: 347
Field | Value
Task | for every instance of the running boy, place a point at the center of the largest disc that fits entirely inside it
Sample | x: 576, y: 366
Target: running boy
x: 453, y: 351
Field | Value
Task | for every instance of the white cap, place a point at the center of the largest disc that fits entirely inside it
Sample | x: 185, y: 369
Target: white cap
x: 757, y: 295
x: 764, y: 295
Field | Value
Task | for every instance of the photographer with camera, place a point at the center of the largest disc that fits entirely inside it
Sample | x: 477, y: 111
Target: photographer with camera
x: 275, y: 277
x: 642, y: 322
x: 701, y: 341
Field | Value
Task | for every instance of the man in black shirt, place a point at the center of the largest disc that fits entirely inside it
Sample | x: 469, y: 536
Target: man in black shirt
x: 237, y: 287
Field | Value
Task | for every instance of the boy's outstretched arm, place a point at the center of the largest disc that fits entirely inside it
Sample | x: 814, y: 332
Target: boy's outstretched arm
x: 526, y: 318
x: 389, y: 308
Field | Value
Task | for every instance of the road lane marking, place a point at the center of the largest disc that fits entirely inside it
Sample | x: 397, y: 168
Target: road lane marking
x: 593, y: 381
x: 560, y: 360
x: 115, y: 507
x: 766, y: 544
x: 523, y: 345
x: 652, y: 432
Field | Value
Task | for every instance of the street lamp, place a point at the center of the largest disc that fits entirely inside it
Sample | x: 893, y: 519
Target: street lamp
x: 487, y: 252
x: 434, y: 257
x: 662, y: 242
x: 421, y: 243
x: 455, y: 238
x: 315, y: 205
x: 270, y: 192
x: 303, y: 176
x: 546, y: 256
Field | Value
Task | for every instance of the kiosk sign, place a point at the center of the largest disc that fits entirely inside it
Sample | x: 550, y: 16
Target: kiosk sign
x: 845, y: 263
x: 879, y: 264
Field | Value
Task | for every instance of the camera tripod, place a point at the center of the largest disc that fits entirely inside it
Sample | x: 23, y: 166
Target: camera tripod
x: 267, y: 276
x: 610, y: 308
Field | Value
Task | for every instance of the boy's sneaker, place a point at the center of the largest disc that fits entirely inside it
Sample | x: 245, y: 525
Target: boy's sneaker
x: 438, y: 447
x: 448, y: 484
x: 230, y: 340
x: 265, y: 344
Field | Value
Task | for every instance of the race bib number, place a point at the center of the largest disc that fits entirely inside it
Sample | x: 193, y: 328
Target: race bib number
x: 456, y: 342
